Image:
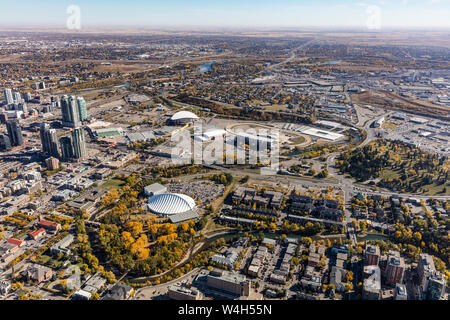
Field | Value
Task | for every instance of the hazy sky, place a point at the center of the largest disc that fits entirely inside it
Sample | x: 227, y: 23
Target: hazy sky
x: 229, y: 13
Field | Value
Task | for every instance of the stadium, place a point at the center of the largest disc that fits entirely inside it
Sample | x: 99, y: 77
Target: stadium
x: 183, y: 117
x: 168, y: 204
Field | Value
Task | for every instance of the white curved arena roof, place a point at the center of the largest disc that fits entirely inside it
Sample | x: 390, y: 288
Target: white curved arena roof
x: 170, y: 203
x: 183, y: 115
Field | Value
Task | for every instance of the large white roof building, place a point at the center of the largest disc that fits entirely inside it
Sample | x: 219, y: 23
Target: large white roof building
x: 184, y: 115
x: 168, y: 204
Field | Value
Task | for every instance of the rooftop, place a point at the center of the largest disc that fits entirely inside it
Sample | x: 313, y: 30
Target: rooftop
x: 170, y: 203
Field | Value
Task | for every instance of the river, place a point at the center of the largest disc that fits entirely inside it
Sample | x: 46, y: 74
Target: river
x: 205, y: 67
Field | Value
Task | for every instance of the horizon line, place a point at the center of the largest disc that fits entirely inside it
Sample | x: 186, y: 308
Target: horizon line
x: 90, y: 28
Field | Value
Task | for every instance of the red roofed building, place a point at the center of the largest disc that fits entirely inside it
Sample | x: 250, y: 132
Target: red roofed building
x: 36, y: 234
x: 16, y: 242
x: 49, y: 225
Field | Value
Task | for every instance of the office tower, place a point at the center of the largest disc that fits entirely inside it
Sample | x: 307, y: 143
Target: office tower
x: 49, y: 139
x: 8, y: 96
x: 14, y: 132
x: 20, y: 106
x: 74, y: 112
x: 79, y: 143
x: 66, y: 147
x: 3, y: 117
x: 400, y: 292
x: 433, y: 282
x: 53, y: 104
x: 27, y: 96
x: 82, y: 108
x: 52, y: 163
x: 17, y: 97
x: 5, y: 143
x: 436, y: 286
x: 425, y: 267
x: 65, y: 109
x: 372, y: 255
x: 372, y: 283
x: 395, y: 268
x: 70, y: 111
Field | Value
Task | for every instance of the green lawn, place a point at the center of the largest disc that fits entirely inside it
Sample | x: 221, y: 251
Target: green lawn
x: 435, y: 190
x: 44, y: 259
x: 297, y: 140
x: 22, y: 233
x: 113, y: 184
x: 388, y: 174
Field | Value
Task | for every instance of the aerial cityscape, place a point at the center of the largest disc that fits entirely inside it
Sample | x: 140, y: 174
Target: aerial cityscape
x: 272, y: 163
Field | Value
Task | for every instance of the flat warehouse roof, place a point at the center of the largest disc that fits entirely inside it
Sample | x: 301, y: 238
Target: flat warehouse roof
x: 322, y: 133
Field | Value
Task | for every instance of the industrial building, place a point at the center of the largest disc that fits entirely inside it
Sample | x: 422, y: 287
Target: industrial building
x: 319, y: 133
x: 154, y: 189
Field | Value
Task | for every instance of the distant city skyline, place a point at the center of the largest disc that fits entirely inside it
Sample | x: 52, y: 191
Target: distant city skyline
x: 232, y: 13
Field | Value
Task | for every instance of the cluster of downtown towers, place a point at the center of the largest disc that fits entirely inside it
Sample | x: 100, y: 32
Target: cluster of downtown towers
x: 71, y: 146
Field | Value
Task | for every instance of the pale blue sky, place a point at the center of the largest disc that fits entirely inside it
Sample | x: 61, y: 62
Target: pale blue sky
x: 229, y: 13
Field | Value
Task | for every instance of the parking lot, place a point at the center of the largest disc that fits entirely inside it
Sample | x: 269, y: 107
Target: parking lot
x: 429, y: 136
